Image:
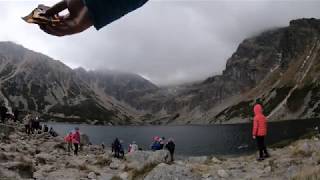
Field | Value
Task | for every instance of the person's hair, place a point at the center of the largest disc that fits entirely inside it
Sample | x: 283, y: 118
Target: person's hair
x: 258, y: 101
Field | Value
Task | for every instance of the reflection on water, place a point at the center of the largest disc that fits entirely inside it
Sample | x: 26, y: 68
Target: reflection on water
x: 194, y: 140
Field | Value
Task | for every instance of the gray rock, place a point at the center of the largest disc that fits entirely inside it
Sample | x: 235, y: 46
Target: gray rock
x: 115, y: 164
x: 140, y: 159
x: 124, y: 176
x: 215, y: 160
x: 171, y: 172
x: 44, y: 158
x: 92, y: 175
x: 198, y: 159
x: 267, y: 170
x: 69, y: 174
x: 222, y: 173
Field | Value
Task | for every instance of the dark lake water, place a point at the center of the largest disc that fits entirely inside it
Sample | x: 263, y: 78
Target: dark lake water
x: 194, y: 140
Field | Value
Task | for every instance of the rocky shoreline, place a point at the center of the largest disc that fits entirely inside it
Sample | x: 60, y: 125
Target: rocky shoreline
x: 41, y: 156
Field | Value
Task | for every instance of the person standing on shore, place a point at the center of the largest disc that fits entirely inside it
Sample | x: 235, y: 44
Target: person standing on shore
x: 68, y: 140
x: 76, y: 140
x: 116, y: 148
x: 259, y: 131
x: 27, y: 124
x: 171, y: 147
x: 16, y: 115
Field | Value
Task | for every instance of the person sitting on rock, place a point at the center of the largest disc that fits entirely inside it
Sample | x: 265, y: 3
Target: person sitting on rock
x: 259, y: 131
x: 133, y: 147
x: 156, y: 144
x: 171, y: 147
x: 76, y: 140
x: 45, y: 128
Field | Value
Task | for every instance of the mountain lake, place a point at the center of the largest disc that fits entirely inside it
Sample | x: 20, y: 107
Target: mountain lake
x: 194, y: 140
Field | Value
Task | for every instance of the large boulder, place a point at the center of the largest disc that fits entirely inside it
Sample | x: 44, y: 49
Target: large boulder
x: 171, y: 172
x: 140, y: 159
x: 116, y: 164
x: 70, y: 174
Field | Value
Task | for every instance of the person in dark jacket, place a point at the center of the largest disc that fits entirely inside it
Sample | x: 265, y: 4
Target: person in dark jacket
x: 116, y: 146
x: 16, y: 115
x: 171, y: 147
x: 85, y: 13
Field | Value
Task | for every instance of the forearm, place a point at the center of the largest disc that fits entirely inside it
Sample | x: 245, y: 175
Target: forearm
x: 103, y: 12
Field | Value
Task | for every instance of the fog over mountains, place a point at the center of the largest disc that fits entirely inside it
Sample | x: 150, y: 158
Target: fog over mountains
x: 278, y: 66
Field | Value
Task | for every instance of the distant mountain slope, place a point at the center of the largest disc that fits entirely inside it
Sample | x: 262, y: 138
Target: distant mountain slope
x: 35, y: 82
x: 279, y: 66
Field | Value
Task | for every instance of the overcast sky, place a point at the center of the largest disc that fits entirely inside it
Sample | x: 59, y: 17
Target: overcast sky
x: 166, y: 41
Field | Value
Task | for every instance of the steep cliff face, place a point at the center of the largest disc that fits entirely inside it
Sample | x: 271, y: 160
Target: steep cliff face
x: 290, y: 89
x: 34, y: 82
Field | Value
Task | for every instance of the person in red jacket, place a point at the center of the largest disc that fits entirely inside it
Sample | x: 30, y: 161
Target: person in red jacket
x: 76, y: 140
x: 68, y: 140
x: 259, y: 131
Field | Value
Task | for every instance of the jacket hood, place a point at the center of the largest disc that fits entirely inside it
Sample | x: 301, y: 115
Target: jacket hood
x: 257, y: 109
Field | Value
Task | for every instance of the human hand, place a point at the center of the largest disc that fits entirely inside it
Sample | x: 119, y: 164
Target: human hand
x: 253, y: 137
x: 76, y: 21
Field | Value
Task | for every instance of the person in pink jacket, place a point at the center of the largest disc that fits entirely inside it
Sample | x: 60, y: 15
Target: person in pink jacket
x: 76, y: 140
x: 259, y: 131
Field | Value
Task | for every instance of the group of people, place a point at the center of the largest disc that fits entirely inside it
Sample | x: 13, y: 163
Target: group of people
x: 32, y: 124
x: 259, y: 132
x: 159, y: 143
x: 73, y: 138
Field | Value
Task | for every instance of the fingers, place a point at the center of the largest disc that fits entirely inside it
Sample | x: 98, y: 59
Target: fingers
x: 62, y: 5
x: 54, y: 30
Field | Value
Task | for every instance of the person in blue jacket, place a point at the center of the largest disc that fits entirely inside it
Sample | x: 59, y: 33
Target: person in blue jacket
x: 86, y: 13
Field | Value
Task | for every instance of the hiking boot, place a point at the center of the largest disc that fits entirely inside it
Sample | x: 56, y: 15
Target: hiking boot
x: 266, y: 156
x: 260, y: 159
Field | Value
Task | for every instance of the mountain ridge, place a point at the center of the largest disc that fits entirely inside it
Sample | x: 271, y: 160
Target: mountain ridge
x: 277, y: 67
